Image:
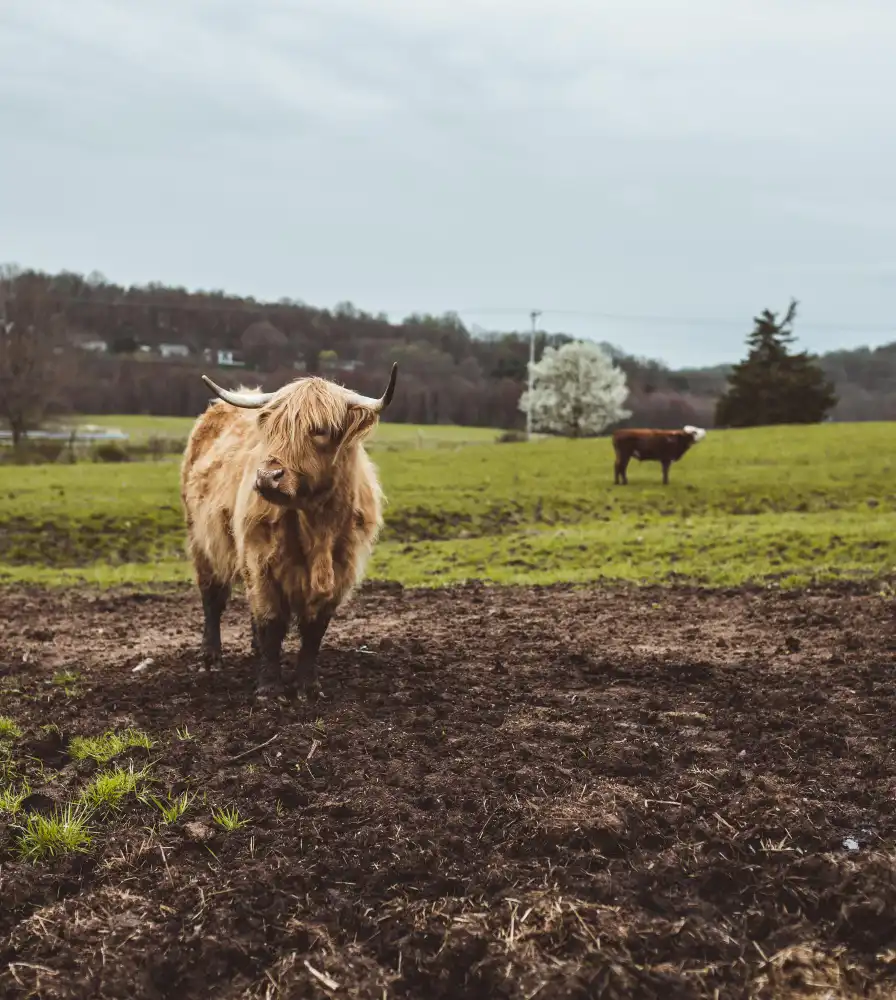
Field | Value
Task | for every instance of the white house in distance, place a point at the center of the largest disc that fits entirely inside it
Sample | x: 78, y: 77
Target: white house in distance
x: 223, y: 357
x: 98, y: 346
x: 174, y: 351
x: 330, y: 364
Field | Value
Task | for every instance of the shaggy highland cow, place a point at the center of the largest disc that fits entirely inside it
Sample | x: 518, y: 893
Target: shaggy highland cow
x: 278, y: 490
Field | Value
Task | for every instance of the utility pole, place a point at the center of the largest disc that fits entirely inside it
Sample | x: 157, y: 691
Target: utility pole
x: 534, y: 316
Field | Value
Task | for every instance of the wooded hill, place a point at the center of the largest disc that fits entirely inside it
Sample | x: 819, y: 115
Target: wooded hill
x: 139, y: 350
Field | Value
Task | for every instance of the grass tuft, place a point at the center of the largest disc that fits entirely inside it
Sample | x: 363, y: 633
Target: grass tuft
x: 103, y: 748
x: 67, y: 680
x: 229, y: 819
x: 66, y: 831
x: 11, y: 798
x: 8, y: 729
x: 8, y: 768
x: 109, y: 788
x: 173, y: 807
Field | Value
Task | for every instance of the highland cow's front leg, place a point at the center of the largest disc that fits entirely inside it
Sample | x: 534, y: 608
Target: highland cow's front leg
x: 621, y: 470
x: 256, y: 649
x: 270, y: 621
x: 312, y: 632
x: 214, y: 601
x: 270, y: 635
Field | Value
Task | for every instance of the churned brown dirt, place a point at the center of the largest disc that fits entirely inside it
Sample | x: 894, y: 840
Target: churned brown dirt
x: 505, y: 793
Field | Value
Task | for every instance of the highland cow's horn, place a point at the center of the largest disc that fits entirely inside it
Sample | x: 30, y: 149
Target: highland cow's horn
x: 248, y: 400
x: 378, y: 405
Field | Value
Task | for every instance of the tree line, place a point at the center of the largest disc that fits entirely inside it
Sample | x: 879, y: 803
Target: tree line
x: 580, y: 391
x: 75, y: 343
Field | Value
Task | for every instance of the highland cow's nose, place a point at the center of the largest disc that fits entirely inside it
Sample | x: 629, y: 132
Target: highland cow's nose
x: 268, y: 479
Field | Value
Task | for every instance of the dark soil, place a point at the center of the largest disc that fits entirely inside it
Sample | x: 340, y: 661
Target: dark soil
x: 505, y: 793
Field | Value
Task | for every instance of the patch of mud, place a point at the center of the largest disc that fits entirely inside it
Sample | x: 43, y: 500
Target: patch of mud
x: 505, y: 793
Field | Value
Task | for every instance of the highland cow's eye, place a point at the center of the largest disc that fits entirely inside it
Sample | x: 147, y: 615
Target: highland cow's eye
x: 320, y: 435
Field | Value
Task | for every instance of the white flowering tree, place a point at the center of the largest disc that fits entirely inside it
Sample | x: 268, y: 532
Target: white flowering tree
x: 577, y: 391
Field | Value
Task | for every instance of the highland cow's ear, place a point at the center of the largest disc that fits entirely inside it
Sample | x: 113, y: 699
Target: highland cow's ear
x: 358, y: 419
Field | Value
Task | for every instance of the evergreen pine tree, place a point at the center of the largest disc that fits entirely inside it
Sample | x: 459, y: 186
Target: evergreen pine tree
x: 773, y: 386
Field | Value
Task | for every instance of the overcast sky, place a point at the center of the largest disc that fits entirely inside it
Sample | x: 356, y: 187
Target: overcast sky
x: 634, y: 168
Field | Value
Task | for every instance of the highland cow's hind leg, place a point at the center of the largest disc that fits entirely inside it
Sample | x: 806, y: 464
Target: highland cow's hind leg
x: 312, y: 632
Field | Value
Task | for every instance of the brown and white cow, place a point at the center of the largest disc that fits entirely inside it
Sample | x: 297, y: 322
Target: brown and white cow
x: 279, y: 491
x: 645, y: 445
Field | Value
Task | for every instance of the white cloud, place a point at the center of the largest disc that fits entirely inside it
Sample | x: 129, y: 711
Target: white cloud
x: 644, y: 156
x: 191, y: 47
x: 643, y: 65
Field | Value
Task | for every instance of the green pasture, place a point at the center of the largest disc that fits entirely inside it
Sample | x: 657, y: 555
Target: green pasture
x: 788, y: 504
x: 141, y: 428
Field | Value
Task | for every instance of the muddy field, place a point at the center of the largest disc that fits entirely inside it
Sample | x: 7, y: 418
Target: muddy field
x: 504, y: 793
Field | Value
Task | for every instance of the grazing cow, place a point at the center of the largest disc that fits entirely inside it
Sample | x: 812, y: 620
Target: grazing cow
x: 287, y: 499
x: 652, y: 446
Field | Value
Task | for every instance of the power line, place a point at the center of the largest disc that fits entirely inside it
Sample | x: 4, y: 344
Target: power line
x: 673, y: 320
x: 237, y: 305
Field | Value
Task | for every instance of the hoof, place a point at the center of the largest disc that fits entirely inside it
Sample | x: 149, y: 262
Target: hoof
x: 296, y: 690
x: 268, y: 691
x: 269, y: 684
x: 212, y: 659
x: 313, y: 691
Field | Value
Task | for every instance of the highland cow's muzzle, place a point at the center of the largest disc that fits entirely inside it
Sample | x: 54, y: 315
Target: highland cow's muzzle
x: 267, y: 482
x: 272, y: 483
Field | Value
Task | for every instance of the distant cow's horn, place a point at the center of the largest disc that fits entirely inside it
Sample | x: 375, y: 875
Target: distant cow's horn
x: 248, y: 400
x: 378, y: 405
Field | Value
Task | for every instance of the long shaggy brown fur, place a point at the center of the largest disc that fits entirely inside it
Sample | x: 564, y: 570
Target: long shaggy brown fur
x: 286, y: 499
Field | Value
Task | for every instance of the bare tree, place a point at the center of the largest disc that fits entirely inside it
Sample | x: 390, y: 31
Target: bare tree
x: 29, y: 365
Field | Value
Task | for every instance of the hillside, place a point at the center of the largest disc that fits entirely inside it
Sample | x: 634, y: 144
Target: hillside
x: 139, y: 350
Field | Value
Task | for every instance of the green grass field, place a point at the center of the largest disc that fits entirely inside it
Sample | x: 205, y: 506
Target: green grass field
x: 140, y: 429
x: 788, y: 505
